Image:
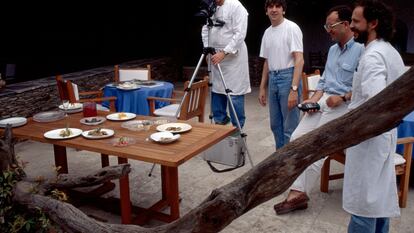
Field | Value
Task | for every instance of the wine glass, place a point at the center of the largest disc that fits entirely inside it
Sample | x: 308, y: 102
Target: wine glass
x: 65, y: 104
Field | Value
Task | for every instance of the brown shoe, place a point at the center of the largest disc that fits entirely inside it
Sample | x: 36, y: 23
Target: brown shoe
x: 297, y: 203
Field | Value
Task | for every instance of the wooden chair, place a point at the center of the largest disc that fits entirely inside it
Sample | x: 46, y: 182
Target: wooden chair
x: 402, y: 169
x: 127, y: 74
x: 193, y: 105
x: 309, y: 83
x: 69, y: 91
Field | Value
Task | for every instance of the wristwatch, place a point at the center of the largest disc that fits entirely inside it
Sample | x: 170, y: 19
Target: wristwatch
x: 294, y: 88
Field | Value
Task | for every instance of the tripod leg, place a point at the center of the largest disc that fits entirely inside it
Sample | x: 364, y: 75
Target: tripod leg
x: 242, y: 135
x: 152, y: 169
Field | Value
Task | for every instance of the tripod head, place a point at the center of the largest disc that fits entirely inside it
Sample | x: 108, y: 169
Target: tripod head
x: 215, y: 23
x: 209, y: 50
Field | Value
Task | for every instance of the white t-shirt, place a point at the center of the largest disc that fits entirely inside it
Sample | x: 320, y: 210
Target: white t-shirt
x: 278, y: 44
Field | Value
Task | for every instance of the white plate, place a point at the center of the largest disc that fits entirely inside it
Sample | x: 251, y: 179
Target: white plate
x: 121, y: 116
x: 97, y: 121
x: 164, y: 137
x: 137, y: 125
x: 134, y: 87
x: 128, y: 86
x: 13, y: 121
x: 180, y: 127
x: 54, y: 134
x: 73, y: 106
x: 109, y: 133
x: 49, y: 116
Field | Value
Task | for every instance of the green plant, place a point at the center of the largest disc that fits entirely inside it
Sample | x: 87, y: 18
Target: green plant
x: 15, y: 217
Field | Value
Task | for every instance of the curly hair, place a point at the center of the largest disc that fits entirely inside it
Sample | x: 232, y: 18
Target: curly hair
x: 377, y: 10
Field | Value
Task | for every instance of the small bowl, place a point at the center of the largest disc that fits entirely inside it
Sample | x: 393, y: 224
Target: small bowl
x: 122, y: 141
x: 164, y: 137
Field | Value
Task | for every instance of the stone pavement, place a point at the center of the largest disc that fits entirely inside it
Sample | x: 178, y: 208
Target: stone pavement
x: 196, y: 181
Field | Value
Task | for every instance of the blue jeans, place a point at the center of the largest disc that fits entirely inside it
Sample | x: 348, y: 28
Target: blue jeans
x: 359, y: 224
x: 219, y: 108
x: 282, y: 121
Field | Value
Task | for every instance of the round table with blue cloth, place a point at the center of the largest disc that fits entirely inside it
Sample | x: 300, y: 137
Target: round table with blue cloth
x: 406, y: 129
x: 135, y: 101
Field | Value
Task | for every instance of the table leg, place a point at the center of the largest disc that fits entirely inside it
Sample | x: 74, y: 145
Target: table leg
x: 124, y: 195
x: 104, y: 160
x: 61, y: 158
x: 170, y: 190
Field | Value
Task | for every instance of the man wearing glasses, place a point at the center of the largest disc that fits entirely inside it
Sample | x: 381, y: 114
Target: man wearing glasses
x: 333, y: 95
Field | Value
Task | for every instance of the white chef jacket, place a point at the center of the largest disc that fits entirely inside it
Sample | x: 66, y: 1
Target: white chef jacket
x: 230, y: 39
x: 370, y: 188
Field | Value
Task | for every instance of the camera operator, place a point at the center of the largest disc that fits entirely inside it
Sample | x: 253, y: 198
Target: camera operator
x: 226, y: 36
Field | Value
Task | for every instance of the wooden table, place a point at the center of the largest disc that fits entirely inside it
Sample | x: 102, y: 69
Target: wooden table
x: 169, y: 156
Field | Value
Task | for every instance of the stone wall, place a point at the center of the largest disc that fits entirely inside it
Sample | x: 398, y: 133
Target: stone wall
x: 28, y: 98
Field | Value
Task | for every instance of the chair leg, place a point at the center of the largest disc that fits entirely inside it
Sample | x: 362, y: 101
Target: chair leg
x: 325, y: 175
x: 404, y: 184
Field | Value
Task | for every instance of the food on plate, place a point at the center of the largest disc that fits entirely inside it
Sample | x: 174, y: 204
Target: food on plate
x: 122, y: 141
x: 65, y: 133
x: 122, y: 115
x: 97, y: 132
x: 93, y: 120
x: 173, y: 128
x: 165, y: 139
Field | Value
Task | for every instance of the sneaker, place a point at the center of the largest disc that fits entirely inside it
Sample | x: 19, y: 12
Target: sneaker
x: 297, y: 203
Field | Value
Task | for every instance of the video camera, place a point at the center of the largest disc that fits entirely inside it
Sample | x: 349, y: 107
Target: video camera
x: 207, y: 8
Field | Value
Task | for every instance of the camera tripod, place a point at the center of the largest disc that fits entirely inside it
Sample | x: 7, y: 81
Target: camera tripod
x: 208, y: 51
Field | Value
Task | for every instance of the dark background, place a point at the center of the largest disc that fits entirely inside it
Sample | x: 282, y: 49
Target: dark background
x: 44, y: 40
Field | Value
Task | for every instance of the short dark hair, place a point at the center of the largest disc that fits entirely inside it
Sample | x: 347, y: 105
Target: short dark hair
x: 377, y: 10
x: 277, y: 3
x: 344, y: 12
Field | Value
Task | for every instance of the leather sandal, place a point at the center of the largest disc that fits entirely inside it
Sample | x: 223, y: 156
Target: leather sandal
x: 297, y: 203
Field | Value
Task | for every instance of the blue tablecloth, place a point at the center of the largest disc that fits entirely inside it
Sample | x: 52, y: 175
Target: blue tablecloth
x: 406, y: 129
x: 135, y: 101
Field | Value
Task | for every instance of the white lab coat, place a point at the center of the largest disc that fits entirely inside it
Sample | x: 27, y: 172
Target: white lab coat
x: 370, y: 188
x: 230, y: 38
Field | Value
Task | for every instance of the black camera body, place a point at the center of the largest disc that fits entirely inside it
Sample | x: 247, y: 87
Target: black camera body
x: 309, y: 106
x: 207, y: 8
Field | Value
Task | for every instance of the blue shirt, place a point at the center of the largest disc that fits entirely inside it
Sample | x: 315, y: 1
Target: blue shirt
x: 340, y: 67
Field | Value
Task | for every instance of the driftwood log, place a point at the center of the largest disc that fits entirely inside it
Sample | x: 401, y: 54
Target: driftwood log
x: 269, y: 178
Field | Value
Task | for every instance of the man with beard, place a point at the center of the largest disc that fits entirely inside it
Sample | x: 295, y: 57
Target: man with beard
x: 333, y: 95
x: 370, y: 189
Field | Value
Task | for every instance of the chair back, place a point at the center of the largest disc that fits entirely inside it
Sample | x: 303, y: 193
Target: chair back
x: 194, y: 103
x: 309, y: 83
x: 127, y: 74
x: 67, y: 90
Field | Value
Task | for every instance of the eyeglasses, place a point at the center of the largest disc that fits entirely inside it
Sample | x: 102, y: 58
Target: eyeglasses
x: 329, y: 27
